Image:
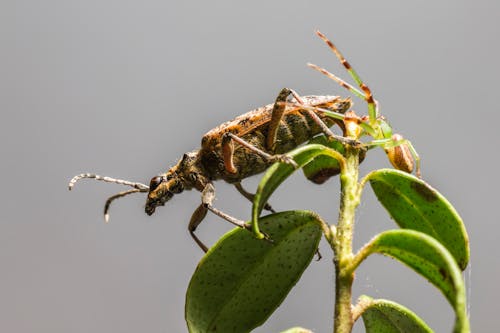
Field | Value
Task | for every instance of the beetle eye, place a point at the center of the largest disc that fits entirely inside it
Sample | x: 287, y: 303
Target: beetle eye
x: 155, y: 181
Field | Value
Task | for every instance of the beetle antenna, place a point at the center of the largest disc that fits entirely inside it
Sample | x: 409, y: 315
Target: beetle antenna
x: 138, y: 186
x: 114, y: 197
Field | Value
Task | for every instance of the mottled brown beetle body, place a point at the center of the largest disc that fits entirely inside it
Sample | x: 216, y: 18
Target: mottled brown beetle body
x: 200, y: 167
x: 295, y: 128
x: 240, y: 148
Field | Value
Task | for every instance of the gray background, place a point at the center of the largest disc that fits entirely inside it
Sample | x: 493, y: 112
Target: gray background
x: 123, y: 88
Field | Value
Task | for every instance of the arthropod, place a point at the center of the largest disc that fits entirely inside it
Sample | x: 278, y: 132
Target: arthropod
x: 236, y: 150
x: 247, y: 145
x: 399, y: 150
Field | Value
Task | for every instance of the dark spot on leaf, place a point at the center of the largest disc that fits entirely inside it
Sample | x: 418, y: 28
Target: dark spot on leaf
x: 443, y: 273
x: 425, y: 191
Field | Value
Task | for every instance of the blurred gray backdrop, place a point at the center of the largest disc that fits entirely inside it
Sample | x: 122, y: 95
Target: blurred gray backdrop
x: 123, y: 88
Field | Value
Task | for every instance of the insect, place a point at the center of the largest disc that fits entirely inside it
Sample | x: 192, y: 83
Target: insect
x: 250, y: 143
x: 399, y: 150
x: 236, y: 150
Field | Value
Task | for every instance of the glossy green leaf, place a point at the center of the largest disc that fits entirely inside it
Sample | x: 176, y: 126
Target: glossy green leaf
x: 415, y: 205
x: 297, y: 330
x: 322, y: 167
x: 383, y: 316
x: 429, y: 258
x: 278, y: 172
x: 242, y: 280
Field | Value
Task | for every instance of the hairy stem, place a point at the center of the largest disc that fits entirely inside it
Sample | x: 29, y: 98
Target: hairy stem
x: 342, y: 243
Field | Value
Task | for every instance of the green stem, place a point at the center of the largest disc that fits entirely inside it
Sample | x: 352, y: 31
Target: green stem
x: 342, y: 243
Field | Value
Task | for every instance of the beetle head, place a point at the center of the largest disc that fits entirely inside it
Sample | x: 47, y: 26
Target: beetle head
x: 185, y: 175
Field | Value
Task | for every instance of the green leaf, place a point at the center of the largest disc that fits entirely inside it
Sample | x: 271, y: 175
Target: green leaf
x: 429, y: 258
x: 242, y: 280
x: 278, y: 172
x: 415, y: 205
x: 297, y: 330
x: 383, y: 316
x: 322, y: 167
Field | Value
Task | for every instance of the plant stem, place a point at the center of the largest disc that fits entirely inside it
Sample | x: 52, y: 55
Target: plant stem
x: 342, y: 243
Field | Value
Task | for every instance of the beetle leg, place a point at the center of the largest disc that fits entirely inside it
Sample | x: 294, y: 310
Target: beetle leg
x: 207, y: 199
x: 279, y: 110
x: 227, y: 154
x: 277, y: 115
x: 228, y: 150
x: 250, y: 196
x: 197, y: 217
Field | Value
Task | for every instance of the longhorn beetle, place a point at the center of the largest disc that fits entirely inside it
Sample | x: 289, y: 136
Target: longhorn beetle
x: 251, y: 142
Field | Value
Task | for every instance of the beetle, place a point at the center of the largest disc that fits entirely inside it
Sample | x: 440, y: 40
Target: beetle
x: 237, y: 149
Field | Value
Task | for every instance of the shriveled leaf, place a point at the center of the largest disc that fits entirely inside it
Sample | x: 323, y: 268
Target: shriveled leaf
x: 242, y: 280
x: 322, y: 167
x: 430, y: 259
x: 278, y: 172
x: 297, y: 330
x: 383, y: 316
x: 415, y: 205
